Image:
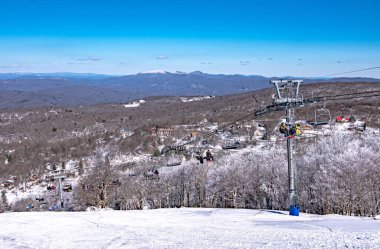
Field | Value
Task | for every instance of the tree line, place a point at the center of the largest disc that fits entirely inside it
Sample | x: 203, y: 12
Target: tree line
x: 335, y: 174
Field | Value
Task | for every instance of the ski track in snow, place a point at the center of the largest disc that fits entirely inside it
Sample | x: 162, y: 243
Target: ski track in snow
x: 186, y: 228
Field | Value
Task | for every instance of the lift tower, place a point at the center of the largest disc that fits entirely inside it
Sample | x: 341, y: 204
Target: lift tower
x: 287, y: 97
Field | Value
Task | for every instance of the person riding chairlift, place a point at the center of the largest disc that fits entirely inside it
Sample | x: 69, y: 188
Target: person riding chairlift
x: 209, y: 156
x: 284, y: 129
x: 295, y: 130
x: 292, y: 131
x: 199, y: 157
x: 298, y: 129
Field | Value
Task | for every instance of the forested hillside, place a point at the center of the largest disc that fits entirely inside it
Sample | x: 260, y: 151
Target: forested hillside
x: 119, y: 155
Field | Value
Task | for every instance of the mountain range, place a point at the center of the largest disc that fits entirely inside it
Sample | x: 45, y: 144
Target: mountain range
x: 24, y: 90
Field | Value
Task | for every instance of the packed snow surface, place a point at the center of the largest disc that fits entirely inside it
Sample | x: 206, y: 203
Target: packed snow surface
x: 186, y: 228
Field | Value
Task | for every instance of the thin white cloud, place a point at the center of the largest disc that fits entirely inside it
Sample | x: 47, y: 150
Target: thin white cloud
x: 162, y: 57
x: 12, y: 66
x: 89, y: 58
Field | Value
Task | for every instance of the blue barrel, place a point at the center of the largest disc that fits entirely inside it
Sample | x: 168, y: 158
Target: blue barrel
x: 294, y: 211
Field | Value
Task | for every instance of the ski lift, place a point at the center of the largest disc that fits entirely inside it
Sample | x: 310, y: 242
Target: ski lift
x: 41, y: 200
x: 50, y: 178
x: 340, y: 117
x: 199, y: 157
x: 88, y: 187
x: 152, y: 174
x: 67, y: 188
x: 231, y: 145
x: 287, y: 92
x: 293, y: 131
x: 205, y: 143
x: 322, y: 116
x: 209, y: 157
x: 51, y: 187
x: 174, y: 161
x: 115, y: 183
x: 176, y: 148
x: 173, y: 164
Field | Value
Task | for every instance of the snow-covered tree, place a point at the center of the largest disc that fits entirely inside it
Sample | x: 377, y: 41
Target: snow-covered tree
x: 96, y: 187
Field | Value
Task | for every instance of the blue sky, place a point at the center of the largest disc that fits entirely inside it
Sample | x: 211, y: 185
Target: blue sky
x: 271, y: 38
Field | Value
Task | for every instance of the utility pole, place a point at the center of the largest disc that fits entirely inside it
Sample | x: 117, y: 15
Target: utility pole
x: 287, y: 97
x: 293, y: 208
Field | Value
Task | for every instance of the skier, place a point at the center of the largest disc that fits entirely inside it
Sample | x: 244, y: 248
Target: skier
x: 284, y: 129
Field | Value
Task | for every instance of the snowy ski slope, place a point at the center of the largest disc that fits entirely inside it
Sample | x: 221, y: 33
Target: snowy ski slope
x: 186, y: 228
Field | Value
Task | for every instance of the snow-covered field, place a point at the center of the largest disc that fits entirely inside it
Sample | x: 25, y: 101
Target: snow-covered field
x: 136, y: 103
x: 186, y: 228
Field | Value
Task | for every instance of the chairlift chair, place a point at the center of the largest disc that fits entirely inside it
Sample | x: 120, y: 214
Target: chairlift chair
x: 230, y: 145
x: 51, y: 187
x: 322, y: 116
x: 173, y: 164
x: 152, y: 174
x: 67, y: 188
x: 174, y: 161
x: 40, y: 199
x: 201, y: 158
x: 115, y: 183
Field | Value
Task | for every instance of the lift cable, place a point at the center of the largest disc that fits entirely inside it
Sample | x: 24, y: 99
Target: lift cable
x: 335, y: 97
x: 354, y: 71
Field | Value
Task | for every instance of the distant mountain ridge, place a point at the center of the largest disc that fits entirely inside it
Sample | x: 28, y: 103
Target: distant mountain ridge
x: 52, y: 89
x: 62, y: 75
